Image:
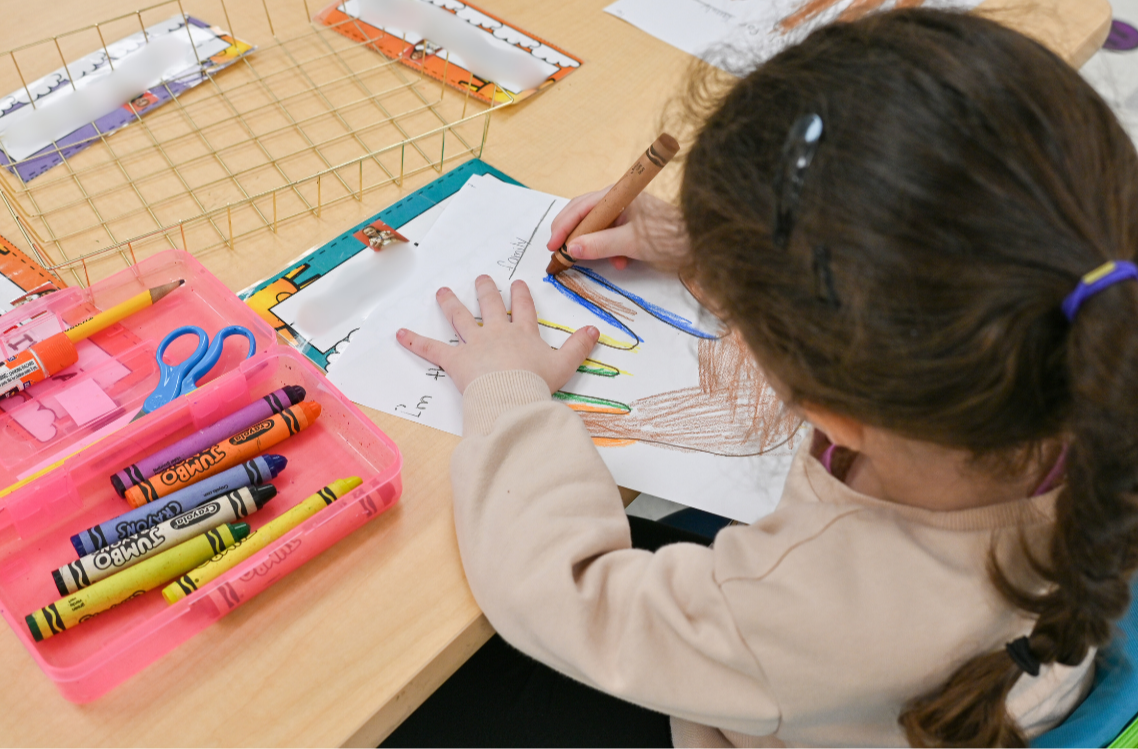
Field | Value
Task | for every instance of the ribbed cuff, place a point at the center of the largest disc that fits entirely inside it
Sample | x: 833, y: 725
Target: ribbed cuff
x: 491, y: 395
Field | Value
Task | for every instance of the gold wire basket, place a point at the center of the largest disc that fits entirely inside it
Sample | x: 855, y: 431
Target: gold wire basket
x: 308, y: 119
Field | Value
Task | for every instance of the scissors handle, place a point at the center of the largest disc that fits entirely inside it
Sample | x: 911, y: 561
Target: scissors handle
x: 202, y: 367
x: 171, y: 376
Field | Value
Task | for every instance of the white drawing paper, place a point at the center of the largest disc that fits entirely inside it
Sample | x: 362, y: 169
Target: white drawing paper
x: 671, y: 403
x: 736, y: 34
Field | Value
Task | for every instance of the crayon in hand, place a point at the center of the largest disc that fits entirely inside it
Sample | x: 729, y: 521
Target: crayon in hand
x: 122, y: 586
x: 131, y: 550
x: 238, y: 421
x: 258, y: 471
x: 258, y: 539
x: 242, y: 446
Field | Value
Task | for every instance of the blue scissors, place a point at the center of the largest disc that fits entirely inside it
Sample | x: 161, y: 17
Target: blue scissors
x: 179, y: 379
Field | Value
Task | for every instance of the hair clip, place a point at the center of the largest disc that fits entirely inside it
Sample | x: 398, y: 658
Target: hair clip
x: 797, y: 153
x: 824, y: 289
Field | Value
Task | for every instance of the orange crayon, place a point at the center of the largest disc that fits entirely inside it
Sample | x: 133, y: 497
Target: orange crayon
x: 225, y: 454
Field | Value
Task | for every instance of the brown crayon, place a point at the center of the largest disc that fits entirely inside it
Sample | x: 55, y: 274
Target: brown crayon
x: 618, y: 198
x: 225, y: 454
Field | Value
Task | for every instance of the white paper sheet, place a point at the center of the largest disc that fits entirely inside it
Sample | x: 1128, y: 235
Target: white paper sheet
x: 327, y: 312
x: 736, y: 34
x: 1113, y: 71
x: 669, y: 403
x: 98, y: 88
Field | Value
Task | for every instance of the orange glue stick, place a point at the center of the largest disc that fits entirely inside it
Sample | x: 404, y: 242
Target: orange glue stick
x: 37, y: 363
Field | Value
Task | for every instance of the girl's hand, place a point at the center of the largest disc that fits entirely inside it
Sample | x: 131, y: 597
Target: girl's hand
x: 649, y: 230
x: 499, y: 343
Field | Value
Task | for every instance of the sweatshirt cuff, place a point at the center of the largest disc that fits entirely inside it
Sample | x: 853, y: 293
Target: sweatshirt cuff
x: 491, y: 395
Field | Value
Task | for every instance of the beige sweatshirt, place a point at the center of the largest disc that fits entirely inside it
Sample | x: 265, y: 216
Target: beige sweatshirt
x: 811, y: 627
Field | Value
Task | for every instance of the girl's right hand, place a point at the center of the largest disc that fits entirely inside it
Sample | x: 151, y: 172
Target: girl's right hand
x: 650, y: 230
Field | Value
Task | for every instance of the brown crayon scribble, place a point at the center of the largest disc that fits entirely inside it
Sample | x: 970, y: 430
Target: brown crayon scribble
x: 733, y: 412
x: 811, y: 9
x: 572, y: 282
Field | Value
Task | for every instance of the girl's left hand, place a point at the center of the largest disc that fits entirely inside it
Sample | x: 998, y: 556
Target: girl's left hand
x: 499, y: 343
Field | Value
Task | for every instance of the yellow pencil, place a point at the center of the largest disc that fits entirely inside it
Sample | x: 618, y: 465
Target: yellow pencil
x: 109, y: 317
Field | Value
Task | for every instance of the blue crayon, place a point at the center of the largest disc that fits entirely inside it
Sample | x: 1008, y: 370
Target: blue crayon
x: 257, y: 471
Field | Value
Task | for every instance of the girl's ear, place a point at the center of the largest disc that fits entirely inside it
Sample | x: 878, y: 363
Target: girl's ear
x: 842, y: 430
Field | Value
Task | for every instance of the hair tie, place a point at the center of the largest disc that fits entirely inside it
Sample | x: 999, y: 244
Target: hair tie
x: 1019, y: 650
x: 1098, y: 279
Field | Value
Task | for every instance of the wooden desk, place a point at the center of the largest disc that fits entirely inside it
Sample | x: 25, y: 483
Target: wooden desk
x: 342, y: 650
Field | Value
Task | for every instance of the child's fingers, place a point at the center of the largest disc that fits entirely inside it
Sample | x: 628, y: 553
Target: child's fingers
x: 571, y: 215
x: 578, y: 346
x: 522, y: 309
x: 456, y: 312
x: 490, y: 300
x: 428, y: 348
x: 616, y: 241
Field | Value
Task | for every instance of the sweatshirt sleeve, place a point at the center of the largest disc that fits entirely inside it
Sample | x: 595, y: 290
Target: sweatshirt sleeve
x: 547, y: 552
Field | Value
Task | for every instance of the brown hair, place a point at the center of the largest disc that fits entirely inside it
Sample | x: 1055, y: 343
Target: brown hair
x: 966, y: 180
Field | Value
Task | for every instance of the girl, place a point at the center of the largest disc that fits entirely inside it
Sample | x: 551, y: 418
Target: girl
x: 895, y: 216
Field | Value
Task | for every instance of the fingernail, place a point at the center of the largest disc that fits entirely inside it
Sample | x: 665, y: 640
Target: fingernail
x: 442, y: 291
x: 576, y: 250
x: 593, y: 332
x: 401, y: 333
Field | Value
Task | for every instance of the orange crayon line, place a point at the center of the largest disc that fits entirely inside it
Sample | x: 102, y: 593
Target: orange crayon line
x: 225, y: 454
x: 859, y: 8
x: 806, y: 12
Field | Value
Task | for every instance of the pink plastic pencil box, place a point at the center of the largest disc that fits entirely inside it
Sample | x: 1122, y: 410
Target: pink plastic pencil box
x: 91, y: 403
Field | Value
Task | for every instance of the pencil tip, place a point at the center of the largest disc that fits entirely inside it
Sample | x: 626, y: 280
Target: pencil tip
x: 158, y: 292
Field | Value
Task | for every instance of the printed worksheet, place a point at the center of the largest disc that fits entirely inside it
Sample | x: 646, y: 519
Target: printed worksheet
x: 670, y: 399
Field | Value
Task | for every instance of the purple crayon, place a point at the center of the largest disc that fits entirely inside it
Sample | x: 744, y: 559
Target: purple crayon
x: 255, y: 412
x: 259, y: 470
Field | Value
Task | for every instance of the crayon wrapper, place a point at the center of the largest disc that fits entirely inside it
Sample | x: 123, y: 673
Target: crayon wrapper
x: 248, y: 546
x: 127, y: 584
x: 133, y: 549
x: 237, y: 449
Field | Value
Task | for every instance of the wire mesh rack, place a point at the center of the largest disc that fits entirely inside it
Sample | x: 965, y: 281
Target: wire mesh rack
x: 309, y: 119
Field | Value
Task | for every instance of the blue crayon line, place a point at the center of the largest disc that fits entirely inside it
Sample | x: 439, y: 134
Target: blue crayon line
x: 601, y: 313
x: 661, y: 314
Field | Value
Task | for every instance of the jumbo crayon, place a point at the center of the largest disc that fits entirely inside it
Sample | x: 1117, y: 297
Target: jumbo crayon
x: 216, y: 458
x: 134, y: 581
x: 238, y: 421
x: 257, y: 540
x: 257, y: 471
x: 131, y: 550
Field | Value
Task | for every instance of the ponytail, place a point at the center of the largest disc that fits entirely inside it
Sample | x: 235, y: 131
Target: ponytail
x: 1094, y: 546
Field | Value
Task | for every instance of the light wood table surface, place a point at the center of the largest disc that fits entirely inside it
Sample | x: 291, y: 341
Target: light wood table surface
x: 343, y: 649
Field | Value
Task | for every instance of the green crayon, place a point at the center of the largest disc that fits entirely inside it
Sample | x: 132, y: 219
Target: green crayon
x: 133, y: 581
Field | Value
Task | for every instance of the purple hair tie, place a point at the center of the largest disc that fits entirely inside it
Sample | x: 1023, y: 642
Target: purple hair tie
x: 1098, y: 279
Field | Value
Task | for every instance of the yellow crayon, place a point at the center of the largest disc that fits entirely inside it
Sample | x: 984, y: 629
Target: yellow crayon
x: 257, y: 540
x: 131, y: 582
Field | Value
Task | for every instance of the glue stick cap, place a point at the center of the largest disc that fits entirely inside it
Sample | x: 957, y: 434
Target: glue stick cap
x: 56, y: 353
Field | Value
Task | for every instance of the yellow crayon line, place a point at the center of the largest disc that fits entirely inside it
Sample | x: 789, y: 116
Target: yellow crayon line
x: 604, y: 340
